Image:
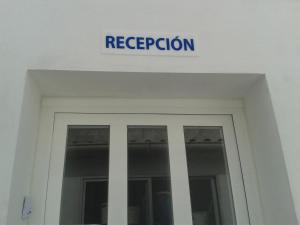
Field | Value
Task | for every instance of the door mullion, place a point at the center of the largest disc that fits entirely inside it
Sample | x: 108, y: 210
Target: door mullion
x: 117, y: 194
x: 179, y: 176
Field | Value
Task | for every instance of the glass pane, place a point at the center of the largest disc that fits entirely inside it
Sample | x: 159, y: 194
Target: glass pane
x: 209, y: 180
x: 149, y: 187
x: 85, y: 182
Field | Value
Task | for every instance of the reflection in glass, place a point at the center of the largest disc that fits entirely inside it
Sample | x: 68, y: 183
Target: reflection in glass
x: 209, y: 180
x: 149, y: 187
x: 85, y: 181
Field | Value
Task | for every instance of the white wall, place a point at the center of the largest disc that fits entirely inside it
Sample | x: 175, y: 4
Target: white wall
x: 235, y: 36
x: 24, y: 157
x: 276, y: 199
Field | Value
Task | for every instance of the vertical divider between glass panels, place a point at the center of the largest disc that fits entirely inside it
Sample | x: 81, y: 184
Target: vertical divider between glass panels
x: 236, y: 176
x: 56, y: 168
x: 117, y: 194
x: 179, y: 176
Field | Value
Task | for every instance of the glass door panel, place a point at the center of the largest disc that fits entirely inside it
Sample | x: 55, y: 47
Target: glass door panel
x: 209, y: 181
x: 149, y: 187
x: 85, y: 180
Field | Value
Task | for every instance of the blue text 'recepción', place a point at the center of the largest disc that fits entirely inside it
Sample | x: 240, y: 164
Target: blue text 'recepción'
x: 149, y: 43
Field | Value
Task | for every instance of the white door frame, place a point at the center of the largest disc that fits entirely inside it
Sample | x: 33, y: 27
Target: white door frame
x: 60, y: 109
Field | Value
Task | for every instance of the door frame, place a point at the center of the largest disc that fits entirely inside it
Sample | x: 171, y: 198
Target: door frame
x: 52, y: 107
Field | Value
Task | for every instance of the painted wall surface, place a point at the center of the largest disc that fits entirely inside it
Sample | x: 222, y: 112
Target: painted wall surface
x: 267, y: 154
x: 25, y: 155
x: 235, y: 36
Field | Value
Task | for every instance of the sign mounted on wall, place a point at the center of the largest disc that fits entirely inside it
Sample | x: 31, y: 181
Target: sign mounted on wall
x: 149, y: 44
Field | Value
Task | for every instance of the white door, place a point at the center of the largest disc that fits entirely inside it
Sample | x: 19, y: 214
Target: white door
x: 145, y: 169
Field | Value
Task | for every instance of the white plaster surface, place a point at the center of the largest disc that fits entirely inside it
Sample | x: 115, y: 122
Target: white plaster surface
x: 235, y: 37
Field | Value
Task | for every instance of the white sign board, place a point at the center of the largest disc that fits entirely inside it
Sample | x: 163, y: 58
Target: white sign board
x: 170, y: 44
